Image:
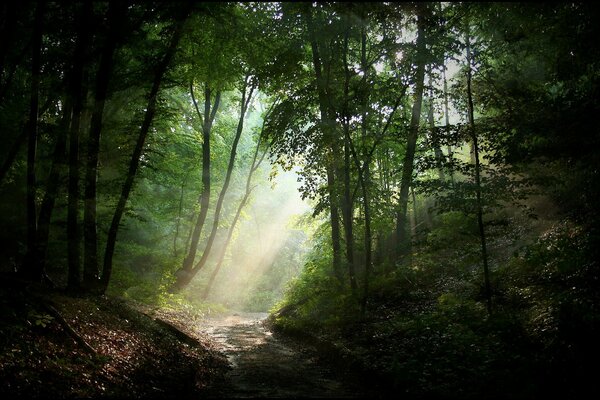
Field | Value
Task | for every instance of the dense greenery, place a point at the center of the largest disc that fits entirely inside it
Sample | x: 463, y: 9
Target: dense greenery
x: 448, y: 152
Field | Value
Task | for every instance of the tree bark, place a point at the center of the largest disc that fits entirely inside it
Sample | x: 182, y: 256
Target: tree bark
x: 447, y: 122
x: 347, y: 203
x: 254, y: 166
x: 79, y: 93
x: 137, y: 153
x: 184, y: 277
x: 204, y: 199
x: 471, y: 115
x: 31, y: 266
x: 47, y: 206
x: 403, y: 244
x: 90, y: 263
x: 437, y: 151
x: 328, y: 126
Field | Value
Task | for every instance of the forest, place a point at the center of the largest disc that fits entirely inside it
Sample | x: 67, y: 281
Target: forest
x: 408, y: 189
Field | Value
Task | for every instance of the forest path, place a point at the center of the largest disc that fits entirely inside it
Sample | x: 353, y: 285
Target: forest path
x: 265, y: 364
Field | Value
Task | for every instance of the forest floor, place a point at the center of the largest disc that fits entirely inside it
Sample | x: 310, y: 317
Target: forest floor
x: 56, y: 346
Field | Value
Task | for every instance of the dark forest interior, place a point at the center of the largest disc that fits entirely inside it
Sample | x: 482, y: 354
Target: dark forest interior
x: 299, y: 199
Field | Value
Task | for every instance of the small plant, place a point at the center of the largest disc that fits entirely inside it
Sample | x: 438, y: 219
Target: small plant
x: 39, y: 319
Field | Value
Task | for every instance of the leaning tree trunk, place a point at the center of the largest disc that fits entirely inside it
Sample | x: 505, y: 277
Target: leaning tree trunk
x: 402, y: 239
x: 253, y: 167
x: 137, y: 153
x: 471, y: 115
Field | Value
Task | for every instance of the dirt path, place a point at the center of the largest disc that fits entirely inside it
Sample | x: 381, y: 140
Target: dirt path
x: 268, y: 365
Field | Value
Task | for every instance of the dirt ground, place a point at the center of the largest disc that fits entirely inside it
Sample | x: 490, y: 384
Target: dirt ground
x: 267, y: 364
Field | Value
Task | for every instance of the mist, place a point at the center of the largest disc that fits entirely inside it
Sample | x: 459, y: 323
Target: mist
x: 267, y: 249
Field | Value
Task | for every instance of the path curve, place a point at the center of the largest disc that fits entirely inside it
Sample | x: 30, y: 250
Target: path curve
x: 264, y: 364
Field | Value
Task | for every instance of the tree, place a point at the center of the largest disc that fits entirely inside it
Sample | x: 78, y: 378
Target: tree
x: 115, y: 17
x: 32, y: 267
x: 402, y: 241
x: 139, y: 147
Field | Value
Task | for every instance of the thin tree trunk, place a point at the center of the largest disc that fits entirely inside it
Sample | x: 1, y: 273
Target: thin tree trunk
x: 178, y: 224
x: 183, y: 279
x: 137, y: 153
x: 31, y: 266
x: 365, y: 177
x: 255, y: 164
x: 437, y: 151
x: 79, y: 93
x: 204, y: 199
x: 471, y: 114
x: 402, y: 241
x: 347, y: 203
x: 90, y: 236
x: 47, y: 206
x: 447, y: 121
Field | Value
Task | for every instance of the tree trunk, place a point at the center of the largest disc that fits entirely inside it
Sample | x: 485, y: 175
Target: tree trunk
x: 90, y: 263
x: 47, y: 206
x: 471, y: 114
x: 204, y: 199
x: 365, y: 177
x: 403, y: 244
x: 31, y: 266
x: 255, y: 164
x: 347, y: 203
x: 137, y: 153
x: 178, y: 223
x: 437, y: 151
x: 78, y: 95
x: 184, y: 277
x: 328, y: 126
x: 447, y: 121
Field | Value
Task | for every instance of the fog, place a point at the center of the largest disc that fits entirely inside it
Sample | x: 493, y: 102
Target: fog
x: 266, y: 251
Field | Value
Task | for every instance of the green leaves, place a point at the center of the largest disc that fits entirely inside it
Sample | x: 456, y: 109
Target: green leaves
x: 39, y: 319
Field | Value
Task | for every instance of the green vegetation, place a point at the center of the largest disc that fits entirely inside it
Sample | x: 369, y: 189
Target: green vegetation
x: 414, y: 183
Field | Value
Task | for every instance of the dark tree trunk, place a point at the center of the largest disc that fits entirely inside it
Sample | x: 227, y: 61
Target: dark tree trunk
x: 471, y: 115
x: 31, y: 266
x: 255, y: 164
x: 328, y: 126
x: 90, y: 262
x: 347, y: 203
x: 204, y: 200
x: 185, y: 277
x: 78, y: 92
x: 137, y: 153
x: 47, y: 206
x: 402, y: 240
x: 365, y: 177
